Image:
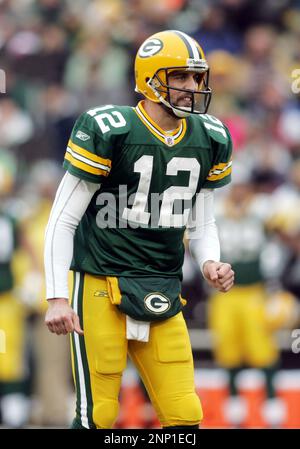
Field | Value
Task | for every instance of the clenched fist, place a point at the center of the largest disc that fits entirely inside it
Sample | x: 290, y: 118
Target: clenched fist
x: 219, y: 275
x: 61, y: 318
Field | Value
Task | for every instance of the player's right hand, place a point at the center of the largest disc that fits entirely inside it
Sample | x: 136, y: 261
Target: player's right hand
x: 61, y: 318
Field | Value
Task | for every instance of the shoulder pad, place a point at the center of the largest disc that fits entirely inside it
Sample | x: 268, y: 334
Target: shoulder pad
x: 214, y: 128
x: 107, y: 121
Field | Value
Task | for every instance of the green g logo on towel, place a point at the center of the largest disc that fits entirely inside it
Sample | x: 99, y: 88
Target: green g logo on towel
x: 157, y: 303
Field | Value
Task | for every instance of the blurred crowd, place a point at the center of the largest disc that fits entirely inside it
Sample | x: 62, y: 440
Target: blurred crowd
x: 61, y: 57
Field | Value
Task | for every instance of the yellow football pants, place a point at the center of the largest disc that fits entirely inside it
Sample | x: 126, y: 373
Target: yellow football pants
x: 12, y: 326
x: 241, y: 333
x: 165, y: 363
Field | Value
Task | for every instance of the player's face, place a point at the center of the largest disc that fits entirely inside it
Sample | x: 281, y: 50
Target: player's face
x: 181, y: 79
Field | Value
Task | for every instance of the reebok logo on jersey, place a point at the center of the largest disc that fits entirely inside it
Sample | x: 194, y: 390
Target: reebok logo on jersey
x: 82, y: 136
x: 157, y: 303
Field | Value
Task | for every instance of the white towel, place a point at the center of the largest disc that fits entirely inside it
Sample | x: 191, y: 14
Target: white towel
x: 137, y: 330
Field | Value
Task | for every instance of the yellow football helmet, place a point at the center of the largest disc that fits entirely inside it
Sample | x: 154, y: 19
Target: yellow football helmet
x: 162, y: 53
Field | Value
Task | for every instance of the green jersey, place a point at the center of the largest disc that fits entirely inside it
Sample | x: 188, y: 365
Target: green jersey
x: 149, y: 178
x: 8, y: 240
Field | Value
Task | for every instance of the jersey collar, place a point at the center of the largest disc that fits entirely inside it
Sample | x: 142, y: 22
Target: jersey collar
x: 168, y: 138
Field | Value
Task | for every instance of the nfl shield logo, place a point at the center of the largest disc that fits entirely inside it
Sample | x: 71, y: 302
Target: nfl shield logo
x: 169, y: 140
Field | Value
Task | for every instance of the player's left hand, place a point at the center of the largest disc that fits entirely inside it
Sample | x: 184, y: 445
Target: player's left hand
x: 219, y: 275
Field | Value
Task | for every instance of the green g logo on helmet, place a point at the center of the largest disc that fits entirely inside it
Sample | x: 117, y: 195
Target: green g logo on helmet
x: 150, y: 48
x: 157, y: 303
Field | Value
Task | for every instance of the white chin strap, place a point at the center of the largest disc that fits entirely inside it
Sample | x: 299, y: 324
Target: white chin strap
x: 180, y: 114
x: 177, y: 112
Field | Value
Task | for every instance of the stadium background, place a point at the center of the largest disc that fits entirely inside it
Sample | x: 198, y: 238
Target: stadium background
x: 62, y: 57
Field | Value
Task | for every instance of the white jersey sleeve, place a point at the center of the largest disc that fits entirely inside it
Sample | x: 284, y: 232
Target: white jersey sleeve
x: 202, y: 231
x: 72, y: 199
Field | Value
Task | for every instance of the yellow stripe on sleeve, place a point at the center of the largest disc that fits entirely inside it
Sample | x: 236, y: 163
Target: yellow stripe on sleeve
x: 85, y: 167
x: 88, y: 154
x: 219, y: 176
x: 220, y: 166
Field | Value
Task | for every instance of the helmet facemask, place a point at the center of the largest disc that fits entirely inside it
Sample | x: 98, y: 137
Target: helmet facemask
x: 200, y: 99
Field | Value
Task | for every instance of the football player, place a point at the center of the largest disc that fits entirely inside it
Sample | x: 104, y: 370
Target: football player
x: 132, y: 188
x: 241, y: 334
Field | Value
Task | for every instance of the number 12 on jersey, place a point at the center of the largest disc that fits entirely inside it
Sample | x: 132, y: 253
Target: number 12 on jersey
x: 169, y: 198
